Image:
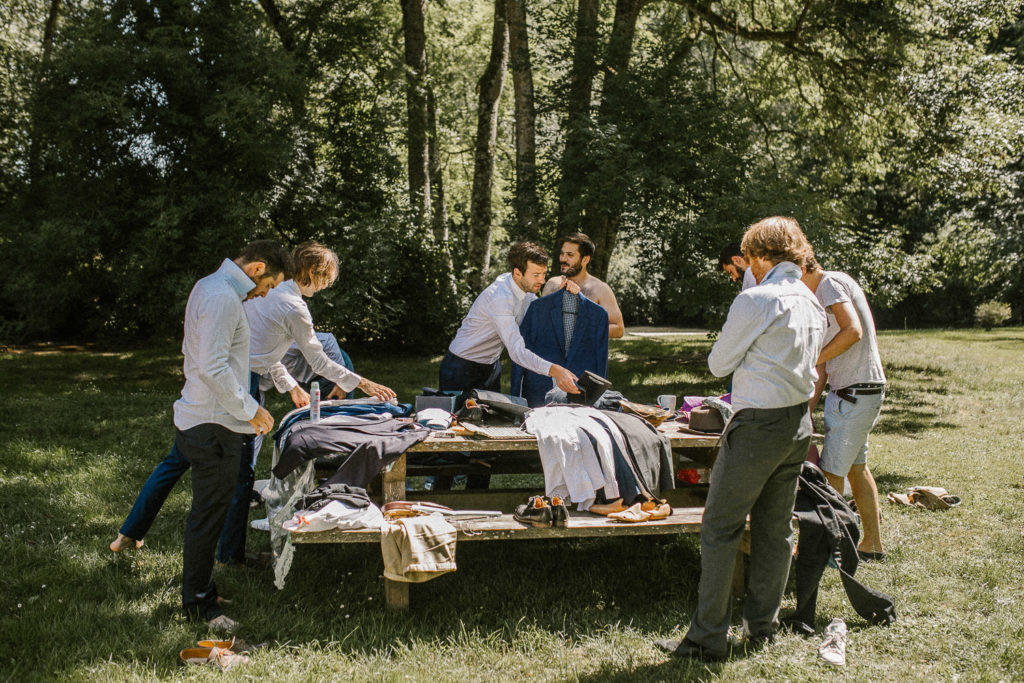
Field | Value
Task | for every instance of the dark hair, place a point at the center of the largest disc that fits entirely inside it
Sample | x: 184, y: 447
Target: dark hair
x: 271, y: 254
x: 585, y: 244
x: 728, y: 251
x: 314, y: 264
x: 521, y: 252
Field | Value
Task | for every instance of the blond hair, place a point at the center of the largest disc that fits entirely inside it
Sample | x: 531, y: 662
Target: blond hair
x: 315, y: 265
x: 777, y: 239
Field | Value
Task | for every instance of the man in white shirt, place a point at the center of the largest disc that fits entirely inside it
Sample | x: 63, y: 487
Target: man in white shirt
x: 277, y: 321
x: 576, y: 252
x: 770, y: 342
x: 732, y: 263
x: 473, y: 358
x: 215, y: 413
x: 852, y: 366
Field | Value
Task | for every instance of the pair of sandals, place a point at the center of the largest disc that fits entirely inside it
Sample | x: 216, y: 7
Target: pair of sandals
x: 220, y: 654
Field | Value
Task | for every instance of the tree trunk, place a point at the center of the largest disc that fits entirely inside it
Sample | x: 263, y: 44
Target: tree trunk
x: 488, y: 98
x: 525, y: 200
x: 416, y: 105
x: 581, y: 85
x: 605, y: 193
x: 439, y: 221
x: 35, y: 146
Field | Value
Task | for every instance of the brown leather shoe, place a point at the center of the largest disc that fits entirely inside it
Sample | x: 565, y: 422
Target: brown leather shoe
x: 607, y: 508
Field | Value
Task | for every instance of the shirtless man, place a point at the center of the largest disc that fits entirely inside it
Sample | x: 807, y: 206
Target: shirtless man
x: 577, y: 250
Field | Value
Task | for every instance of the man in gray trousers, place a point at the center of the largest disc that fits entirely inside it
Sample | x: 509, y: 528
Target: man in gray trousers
x: 770, y: 341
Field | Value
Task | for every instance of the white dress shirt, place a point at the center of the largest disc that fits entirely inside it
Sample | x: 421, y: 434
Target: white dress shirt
x: 492, y: 322
x: 216, y: 350
x: 277, y: 320
x: 748, y: 279
x: 771, y: 341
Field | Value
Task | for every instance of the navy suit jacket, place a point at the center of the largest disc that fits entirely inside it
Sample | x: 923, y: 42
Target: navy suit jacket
x: 544, y: 334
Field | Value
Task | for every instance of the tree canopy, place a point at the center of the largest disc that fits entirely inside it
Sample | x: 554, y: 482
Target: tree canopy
x: 142, y: 141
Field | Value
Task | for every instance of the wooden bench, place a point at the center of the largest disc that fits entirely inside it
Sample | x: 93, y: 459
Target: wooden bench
x: 690, y: 451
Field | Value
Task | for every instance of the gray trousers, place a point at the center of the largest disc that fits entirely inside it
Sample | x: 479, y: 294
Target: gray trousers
x: 755, y: 474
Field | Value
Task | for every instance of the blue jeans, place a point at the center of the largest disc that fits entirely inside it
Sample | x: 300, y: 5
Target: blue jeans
x: 159, y: 484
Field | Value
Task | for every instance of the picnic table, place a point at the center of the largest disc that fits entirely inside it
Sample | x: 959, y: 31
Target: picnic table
x: 519, y: 455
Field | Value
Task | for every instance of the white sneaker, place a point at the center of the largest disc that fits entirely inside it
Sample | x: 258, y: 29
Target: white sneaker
x: 833, y: 647
x: 260, y: 524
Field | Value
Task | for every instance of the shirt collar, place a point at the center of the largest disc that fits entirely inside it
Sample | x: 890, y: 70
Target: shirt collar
x: 289, y: 287
x: 517, y: 291
x: 782, y: 270
x: 236, y: 277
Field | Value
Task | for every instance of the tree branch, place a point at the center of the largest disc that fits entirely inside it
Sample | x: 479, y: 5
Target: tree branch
x: 703, y: 10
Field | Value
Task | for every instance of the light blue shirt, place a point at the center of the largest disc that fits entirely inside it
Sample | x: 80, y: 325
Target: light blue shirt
x: 216, y: 350
x: 771, y: 341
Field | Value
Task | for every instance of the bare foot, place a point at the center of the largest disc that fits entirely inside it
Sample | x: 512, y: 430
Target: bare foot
x: 123, y: 542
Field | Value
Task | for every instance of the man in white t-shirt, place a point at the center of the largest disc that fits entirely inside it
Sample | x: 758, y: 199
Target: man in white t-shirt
x: 851, y: 365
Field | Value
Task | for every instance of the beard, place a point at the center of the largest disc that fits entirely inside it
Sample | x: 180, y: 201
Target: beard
x: 570, y: 270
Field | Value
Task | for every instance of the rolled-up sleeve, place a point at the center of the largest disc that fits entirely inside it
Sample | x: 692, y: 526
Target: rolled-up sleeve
x: 218, y: 318
x: 300, y: 325
x: 744, y: 324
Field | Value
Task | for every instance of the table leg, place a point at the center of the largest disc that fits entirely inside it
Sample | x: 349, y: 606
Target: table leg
x: 393, y: 481
x: 396, y: 593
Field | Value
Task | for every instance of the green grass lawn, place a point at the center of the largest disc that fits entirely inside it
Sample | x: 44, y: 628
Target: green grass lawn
x: 81, y: 431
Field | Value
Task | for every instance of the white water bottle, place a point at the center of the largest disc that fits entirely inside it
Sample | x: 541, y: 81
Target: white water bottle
x: 314, y: 402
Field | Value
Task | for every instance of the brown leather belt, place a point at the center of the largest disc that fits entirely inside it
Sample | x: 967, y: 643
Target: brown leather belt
x: 851, y: 392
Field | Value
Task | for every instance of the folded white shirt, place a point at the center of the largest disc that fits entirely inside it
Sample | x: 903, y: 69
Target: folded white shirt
x: 335, y: 515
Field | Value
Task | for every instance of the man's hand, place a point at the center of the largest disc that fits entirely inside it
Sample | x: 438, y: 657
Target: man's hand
x: 262, y: 422
x: 570, y: 286
x: 337, y: 392
x: 299, y: 397
x: 378, y: 391
x: 565, y: 380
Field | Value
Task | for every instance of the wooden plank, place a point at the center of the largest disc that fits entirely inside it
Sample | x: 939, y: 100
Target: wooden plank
x: 581, y: 525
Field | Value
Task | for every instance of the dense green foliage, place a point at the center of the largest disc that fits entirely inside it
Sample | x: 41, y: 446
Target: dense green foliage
x: 141, y: 141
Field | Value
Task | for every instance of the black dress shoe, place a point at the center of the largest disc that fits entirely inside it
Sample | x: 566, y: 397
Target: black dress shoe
x: 687, y: 649
x: 536, y: 513
x: 559, y: 513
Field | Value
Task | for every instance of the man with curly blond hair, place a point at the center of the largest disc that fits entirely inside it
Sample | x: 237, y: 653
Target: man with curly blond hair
x: 770, y: 343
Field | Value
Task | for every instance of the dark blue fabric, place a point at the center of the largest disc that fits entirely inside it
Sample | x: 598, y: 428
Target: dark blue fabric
x: 153, y: 494
x: 159, y: 484
x: 396, y: 409
x: 459, y: 374
x: 544, y: 333
x: 629, y: 488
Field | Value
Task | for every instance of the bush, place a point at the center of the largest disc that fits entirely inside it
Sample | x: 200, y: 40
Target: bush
x: 992, y: 313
